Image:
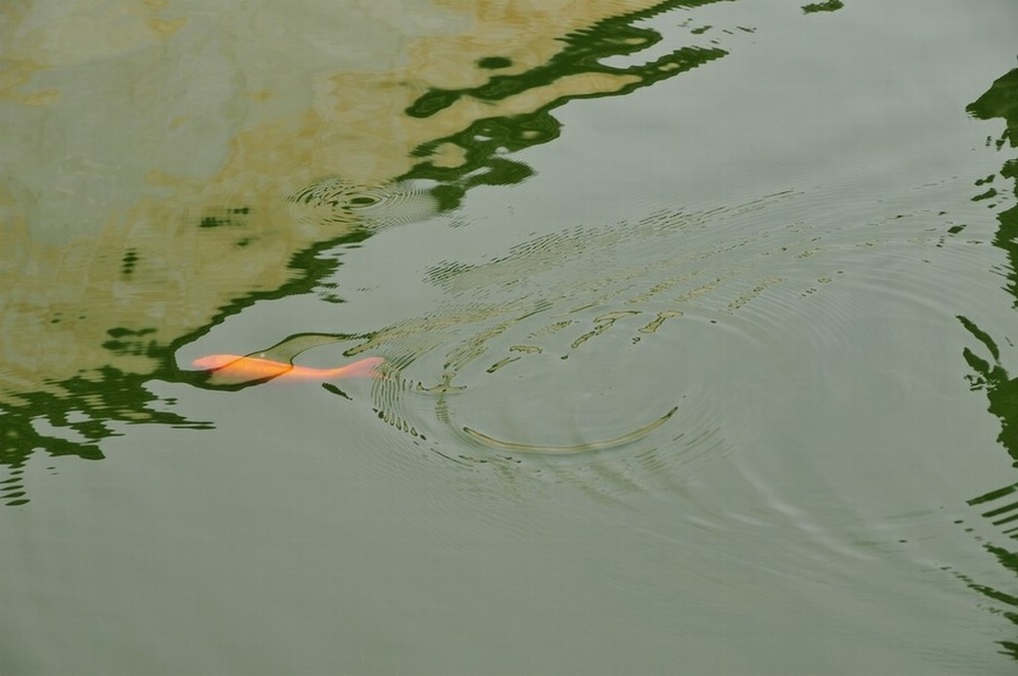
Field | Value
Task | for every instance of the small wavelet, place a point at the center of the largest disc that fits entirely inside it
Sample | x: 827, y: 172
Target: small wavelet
x: 332, y: 200
x: 582, y: 447
x: 629, y: 345
x: 587, y: 356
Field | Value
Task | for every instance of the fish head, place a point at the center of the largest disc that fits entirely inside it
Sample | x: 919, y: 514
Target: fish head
x: 215, y: 361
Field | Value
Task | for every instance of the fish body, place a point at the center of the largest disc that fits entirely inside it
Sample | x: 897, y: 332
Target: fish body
x: 235, y: 366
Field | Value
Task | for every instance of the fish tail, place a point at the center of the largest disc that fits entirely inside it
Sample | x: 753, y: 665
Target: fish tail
x: 360, y: 368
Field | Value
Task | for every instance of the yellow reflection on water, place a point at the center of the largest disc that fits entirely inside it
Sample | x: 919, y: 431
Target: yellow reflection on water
x: 154, y: 147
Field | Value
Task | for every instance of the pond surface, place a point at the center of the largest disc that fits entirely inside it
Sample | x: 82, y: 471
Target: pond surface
x: 689, y: 329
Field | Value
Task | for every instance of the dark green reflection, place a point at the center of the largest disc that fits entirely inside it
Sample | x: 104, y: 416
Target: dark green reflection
x: 92, y: 409
x: 999, y: 506
x: 487, y: 141
x: 827, y: 6
x: 494, y: 62
x: 615, y: 36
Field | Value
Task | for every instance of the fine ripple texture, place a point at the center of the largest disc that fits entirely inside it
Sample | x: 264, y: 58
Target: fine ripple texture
x: 635, y: 347
x: 624, y: 357
x: 333, y: 200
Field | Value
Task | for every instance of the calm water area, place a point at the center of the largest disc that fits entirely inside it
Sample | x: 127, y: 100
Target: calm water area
x: 681, y: 337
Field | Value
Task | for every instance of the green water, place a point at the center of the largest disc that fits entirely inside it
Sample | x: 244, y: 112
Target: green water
x: 698, y: 321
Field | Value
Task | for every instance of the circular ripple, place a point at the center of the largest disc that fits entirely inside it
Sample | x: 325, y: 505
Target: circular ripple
x: 333, y: 200
x: 560, y: 420
x: 617, y: 355
x: 600, y: 344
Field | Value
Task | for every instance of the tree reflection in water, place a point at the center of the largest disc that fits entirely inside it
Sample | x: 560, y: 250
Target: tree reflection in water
x: 1000, y: 506
x: 509, y: 111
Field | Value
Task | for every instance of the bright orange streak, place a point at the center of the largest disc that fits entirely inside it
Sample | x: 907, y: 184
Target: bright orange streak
x: 255, y: 368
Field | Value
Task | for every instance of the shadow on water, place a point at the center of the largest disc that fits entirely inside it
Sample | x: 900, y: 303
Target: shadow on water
x: 999, y: 506
x: 72, y: 415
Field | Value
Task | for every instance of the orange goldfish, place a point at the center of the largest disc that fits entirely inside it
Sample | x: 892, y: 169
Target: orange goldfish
x: 236, y: 367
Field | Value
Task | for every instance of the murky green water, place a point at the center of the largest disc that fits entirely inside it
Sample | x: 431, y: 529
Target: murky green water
x: 698, y: 321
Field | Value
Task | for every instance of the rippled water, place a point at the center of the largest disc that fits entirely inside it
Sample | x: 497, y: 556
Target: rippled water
x: 696, y: 320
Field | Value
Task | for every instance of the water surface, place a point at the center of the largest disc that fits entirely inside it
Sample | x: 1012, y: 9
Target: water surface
x: 698, y: 320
